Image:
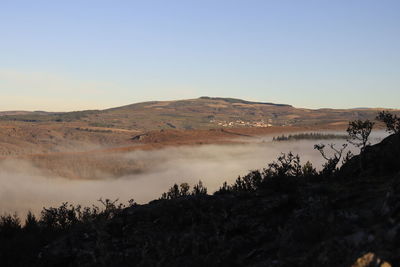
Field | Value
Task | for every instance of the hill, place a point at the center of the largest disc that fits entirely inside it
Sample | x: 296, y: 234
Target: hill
x: 279, y: 217
x: 200, y: 113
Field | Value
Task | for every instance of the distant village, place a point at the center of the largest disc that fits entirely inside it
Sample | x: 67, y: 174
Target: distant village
x: 239, y: 123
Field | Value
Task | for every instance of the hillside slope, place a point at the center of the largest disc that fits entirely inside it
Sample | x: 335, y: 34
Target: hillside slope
x: 350, y: 219
x: 200, y: 113
x: 207, y: 112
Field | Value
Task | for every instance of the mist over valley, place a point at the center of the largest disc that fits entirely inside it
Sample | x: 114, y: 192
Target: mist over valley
x: 82, y: 178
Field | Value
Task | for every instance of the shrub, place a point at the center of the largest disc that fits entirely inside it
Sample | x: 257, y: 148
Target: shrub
x: 280, y: 175
x: 308, y: 170
x: 183, y: 190
x: 31, y: 223
x: 330, y: 167
x: 9, y: 225
x: 286, y: 165
x: 224, y: 189
x: 248, y: 183
x: 60, y: 218
x: 199, y: 189
x: 359, y: 132
x: 391, y: 121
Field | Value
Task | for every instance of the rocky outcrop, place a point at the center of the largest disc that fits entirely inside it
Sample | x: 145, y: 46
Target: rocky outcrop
x: 378, y: 160
x: 370, y: 260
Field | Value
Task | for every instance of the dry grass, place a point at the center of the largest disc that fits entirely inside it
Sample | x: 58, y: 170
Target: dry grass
x: 65, y: 151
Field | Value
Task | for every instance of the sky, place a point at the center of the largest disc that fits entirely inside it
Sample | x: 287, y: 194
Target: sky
x: 95, y: 54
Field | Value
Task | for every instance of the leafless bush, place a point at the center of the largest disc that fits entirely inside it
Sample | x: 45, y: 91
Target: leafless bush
x: 330, y: 167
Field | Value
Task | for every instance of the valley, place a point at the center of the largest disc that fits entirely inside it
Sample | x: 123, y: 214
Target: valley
x: 118, y: 153
x: 94, y: 144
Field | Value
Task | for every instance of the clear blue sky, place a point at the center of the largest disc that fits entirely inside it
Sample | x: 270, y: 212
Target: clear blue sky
x: 70, y: 55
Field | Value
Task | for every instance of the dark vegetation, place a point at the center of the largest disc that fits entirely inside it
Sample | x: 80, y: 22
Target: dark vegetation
x: 22, y: 242
x: 359, y: 132
x: 50, y: 117
x: 184, y: 190
x: 101, y: 124
x: 286, y: 214
x: 309, y: 136
x: 330, y: 166
x: 93, y: 130
x: 391, y: 121
x: 240, y: 101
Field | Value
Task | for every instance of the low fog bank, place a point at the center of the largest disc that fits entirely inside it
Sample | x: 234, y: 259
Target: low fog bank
x: 24, y: 187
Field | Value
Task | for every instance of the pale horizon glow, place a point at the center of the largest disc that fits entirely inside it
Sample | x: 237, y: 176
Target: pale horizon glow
x: 78, y: 55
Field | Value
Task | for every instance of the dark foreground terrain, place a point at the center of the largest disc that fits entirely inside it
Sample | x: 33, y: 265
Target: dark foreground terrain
x: 285, y: 215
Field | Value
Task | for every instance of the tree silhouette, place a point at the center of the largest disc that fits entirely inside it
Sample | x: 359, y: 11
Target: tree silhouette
x: 199, y: 189
x: 359, y: 132
x: 391, y: 121
x: 331, y: 162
